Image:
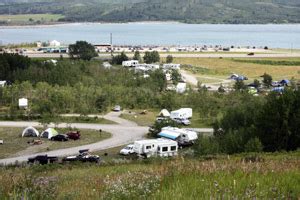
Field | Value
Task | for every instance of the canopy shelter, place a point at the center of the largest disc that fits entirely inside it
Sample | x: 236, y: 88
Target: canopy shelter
x: 49, y: 133
x: 30, y: 132
x: 169, y: 134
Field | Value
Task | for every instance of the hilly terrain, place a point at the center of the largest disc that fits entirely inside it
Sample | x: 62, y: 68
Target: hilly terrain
x: 188, y: 11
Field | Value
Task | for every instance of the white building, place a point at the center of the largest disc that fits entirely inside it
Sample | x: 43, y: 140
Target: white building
x: 54, y: 43
x: 145, y: 68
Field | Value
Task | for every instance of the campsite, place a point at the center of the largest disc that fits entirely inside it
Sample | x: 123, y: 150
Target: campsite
x: 15, y: 144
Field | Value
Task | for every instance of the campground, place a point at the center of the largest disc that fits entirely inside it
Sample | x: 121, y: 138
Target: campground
x: 16, y: 145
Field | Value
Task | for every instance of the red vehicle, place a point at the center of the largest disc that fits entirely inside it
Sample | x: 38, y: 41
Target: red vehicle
x: 74, y: 135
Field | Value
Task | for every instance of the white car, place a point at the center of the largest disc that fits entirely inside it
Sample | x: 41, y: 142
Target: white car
x: 127, y: 150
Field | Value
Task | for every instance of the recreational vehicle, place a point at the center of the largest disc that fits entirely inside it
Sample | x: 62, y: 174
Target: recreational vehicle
x: 183, y: 113
x: 155, y: 147
x: 130, y: 63
x: 184, y: 137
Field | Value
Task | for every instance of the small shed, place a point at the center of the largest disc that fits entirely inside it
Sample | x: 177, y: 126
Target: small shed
x: 23, y: 103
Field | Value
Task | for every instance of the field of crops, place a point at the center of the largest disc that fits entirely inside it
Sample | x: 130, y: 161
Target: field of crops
x: 279, y: 68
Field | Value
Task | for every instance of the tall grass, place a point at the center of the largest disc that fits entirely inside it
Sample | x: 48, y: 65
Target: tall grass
x: 274, y: 176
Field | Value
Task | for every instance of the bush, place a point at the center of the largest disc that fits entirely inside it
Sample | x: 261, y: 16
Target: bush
x: 206, y: 146
x: 118, y: 59
x: 253, y: 145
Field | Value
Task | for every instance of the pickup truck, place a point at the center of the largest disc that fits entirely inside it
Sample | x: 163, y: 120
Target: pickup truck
x: 42, y: 159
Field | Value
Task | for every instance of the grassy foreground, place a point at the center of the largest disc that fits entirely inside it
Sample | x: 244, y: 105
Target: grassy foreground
x: 266, y: 176
x: 15, y: 145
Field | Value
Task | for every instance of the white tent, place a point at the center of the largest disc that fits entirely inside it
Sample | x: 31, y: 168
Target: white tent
x: 30, y: 132
x: 164, y: 113
x: 49, y: 133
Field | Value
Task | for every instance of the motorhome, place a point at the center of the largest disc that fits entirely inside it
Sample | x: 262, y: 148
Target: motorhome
x: 155, y: 147
x: 130, y: 63
x: 184, y: 137
x: 182, y: 113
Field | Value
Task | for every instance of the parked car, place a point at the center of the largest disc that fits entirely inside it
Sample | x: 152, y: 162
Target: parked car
x: 74, y: 135
x: 117, y: 108
x: 42, y: 159
x: 250, y: 54
x: 60, y: 137
x: 127, y: 150
x: 84, y: 156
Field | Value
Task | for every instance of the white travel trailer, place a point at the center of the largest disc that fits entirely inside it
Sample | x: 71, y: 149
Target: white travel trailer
x: 155, y: 147
x: 181, y: 87
x: 171, y: 66
x: 182, y: 113
x: 130, y: 63
x: 182, y: 136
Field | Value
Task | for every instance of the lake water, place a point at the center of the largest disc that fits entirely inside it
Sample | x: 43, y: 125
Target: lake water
x: 275, y: 36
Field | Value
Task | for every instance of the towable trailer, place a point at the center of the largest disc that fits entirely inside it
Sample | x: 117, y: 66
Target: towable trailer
x: 155, y: 147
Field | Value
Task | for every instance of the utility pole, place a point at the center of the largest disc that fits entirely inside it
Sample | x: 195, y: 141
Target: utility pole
x: 111, y: 45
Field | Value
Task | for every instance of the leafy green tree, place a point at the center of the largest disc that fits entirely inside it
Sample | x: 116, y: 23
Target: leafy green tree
x: 151, y: 57
x: 256, y: 83
x: 254, y: 145
x: 169, y: 59
x: 239, y: 85
x: 82, y: 50
x: 118, y: 59
x: 137, y: 56
x: 176, y: 76
x: 158, y: 125
x: 267, y: 79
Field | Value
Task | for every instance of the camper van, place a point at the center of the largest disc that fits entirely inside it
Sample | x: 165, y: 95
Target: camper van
x: 130, y: 63
x: 183, y: 113
x: 155, y: 147
x: 184, y: 137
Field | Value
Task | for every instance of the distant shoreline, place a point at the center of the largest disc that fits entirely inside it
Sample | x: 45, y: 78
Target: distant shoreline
x: 116, y: 23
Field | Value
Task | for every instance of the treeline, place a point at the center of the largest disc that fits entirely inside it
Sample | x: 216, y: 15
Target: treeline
x: 270, y: 124
x: 189, y: 11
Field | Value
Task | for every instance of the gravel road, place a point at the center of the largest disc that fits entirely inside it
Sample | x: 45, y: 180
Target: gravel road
x: 123, y: 132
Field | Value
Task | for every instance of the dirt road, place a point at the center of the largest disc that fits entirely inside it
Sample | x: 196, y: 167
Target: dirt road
x: 123, y: 132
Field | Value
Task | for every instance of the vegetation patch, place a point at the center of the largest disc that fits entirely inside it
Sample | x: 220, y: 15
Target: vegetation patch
x: 271, y: 62
x: 274, y: 176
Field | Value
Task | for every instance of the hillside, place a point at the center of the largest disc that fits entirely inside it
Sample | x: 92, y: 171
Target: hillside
x: 189, y: 11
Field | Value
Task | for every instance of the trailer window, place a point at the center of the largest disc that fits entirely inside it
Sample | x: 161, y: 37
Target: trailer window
x: 173, y: 148
x: 165, y: 149
x: 148, y: 147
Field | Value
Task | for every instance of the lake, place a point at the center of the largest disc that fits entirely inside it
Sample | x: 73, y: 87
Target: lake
x: 271, y: 35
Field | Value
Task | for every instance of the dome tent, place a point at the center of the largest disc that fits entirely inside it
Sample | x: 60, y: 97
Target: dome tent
x: 30, y: 132
x: 164, y: 113
x: 49, y: 133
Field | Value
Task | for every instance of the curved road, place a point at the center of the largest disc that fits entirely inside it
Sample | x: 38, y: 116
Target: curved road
x: 122, y: 133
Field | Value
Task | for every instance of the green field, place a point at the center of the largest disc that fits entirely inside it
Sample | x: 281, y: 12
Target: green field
x: 263, y: 176
x: 14, y: 144
x: 279, y: 68
x: 30, y: 18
